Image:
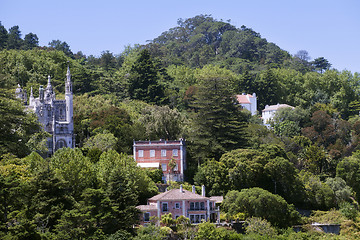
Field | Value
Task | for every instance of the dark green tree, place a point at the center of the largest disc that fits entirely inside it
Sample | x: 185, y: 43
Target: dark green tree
x: 321, y: 64
x: 144, y: 80
x: 61, y: 46
x: 218, y: 122
x: 14, y: 40
x: 30, y: 41
x: 3, y: 37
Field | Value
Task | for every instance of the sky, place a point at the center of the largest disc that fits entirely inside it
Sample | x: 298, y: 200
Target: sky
x: 324, y: 28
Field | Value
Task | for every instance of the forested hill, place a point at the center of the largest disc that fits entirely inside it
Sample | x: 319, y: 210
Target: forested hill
x: 203, y: 40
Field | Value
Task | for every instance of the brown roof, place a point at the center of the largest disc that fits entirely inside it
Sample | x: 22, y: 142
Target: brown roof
x: 176, y: 194
x: 146, y: 207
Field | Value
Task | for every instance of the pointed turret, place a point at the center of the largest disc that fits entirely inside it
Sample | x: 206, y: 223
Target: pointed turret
x: 68, y: 96
x: 31, y: 99
x: 49, y: 92
x: 68, y: 84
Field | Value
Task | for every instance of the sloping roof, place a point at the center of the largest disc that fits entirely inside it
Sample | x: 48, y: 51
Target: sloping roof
x: 217, y: 199
x: 176, y: 194
x: 243, y: 98
x: 276, y: 107
x: 146, y: 207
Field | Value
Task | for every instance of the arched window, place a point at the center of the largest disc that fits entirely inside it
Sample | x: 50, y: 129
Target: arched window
x: 60, y: 144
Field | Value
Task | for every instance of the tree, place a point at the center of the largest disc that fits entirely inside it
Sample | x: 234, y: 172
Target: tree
x: 257, y: 202
x: 349, y: 170
x: 16, y: 126
x: 256, y: 225
x: 61, y: 46
x: 143, y: 80
x: 321, y: 64
x: 102, y: 141
x: 3, y: 37
x: 218, y: 123
x: 30, y: 41
x: 14, y: 40
x: 72, y: 166
x: 162, y: 122
x: 107, y: 60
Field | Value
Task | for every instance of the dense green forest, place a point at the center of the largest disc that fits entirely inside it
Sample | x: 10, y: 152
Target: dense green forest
x: 181, y: 84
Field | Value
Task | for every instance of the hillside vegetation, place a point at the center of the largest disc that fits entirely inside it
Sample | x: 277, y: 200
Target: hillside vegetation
x: 180, y: 85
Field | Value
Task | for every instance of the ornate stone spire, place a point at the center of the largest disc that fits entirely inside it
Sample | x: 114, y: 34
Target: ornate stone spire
x: 49, y: 92
x: 68, y: 84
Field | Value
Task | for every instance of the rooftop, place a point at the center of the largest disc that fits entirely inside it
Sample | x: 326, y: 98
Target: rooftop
x: 176, y: 194
x: 276, y: 107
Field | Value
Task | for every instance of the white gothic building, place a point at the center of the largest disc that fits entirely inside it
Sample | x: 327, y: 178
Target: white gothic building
x: 56, y: 116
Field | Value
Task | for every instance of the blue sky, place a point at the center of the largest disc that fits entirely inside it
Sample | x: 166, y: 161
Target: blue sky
x: 324, y: 28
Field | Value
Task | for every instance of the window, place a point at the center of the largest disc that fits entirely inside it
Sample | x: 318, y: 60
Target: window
x: 164, y: 167
x: 163, y: 152
x: 202, y: 206
x: 152, y: 153
x: 164, y: 207
x: 141, y: 153
x: 176, y: 216
x: 146, y: 217
x: 197, y: 207
x: 177, y: 205
x: 197, y: 218
x: 175, y: 152
x: 192, y: 207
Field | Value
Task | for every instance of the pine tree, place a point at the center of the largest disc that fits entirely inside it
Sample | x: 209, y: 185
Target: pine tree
x: 143, y: 81
x: 219, y: 122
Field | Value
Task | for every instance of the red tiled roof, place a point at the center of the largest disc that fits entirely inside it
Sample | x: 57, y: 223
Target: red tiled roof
x: 243, y: 98
x: 176, y: 194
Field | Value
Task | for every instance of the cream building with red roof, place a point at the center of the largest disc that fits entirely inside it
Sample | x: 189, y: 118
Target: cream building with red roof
x: 248, y: 102
x: 180, y: 202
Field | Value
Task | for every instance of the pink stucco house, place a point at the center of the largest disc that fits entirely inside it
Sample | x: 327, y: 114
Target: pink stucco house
x: 158, y: 154
x: 182, y: 202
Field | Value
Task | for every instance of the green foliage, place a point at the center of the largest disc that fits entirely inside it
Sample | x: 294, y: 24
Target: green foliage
x: 143, y: 80
x: 268, y: 168
x: 348, y: 169
x: 162, y: 123
x: 319, y: 195
x: 150, y: 232
x: 72, y: 166
x: 255, y: 225
x: 218, y: 124
x: 102, y: 141
x: 17, y: 128
x: 207, y: 230
x: 256, y: 202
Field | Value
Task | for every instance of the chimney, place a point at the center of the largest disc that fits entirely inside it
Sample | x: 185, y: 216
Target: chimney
x: 203, y: 190
x: 181, y: 188
x: 193, y: 189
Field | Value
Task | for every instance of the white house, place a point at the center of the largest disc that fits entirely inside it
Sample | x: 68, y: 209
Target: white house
x: 269, y: 112
x: 248, y: 102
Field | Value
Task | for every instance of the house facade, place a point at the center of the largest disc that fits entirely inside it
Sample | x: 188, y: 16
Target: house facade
x: 170, y: 156
x: 269, y: 112
x: 180, y: 202
x: 248, y: 102
x: 55, y: 116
